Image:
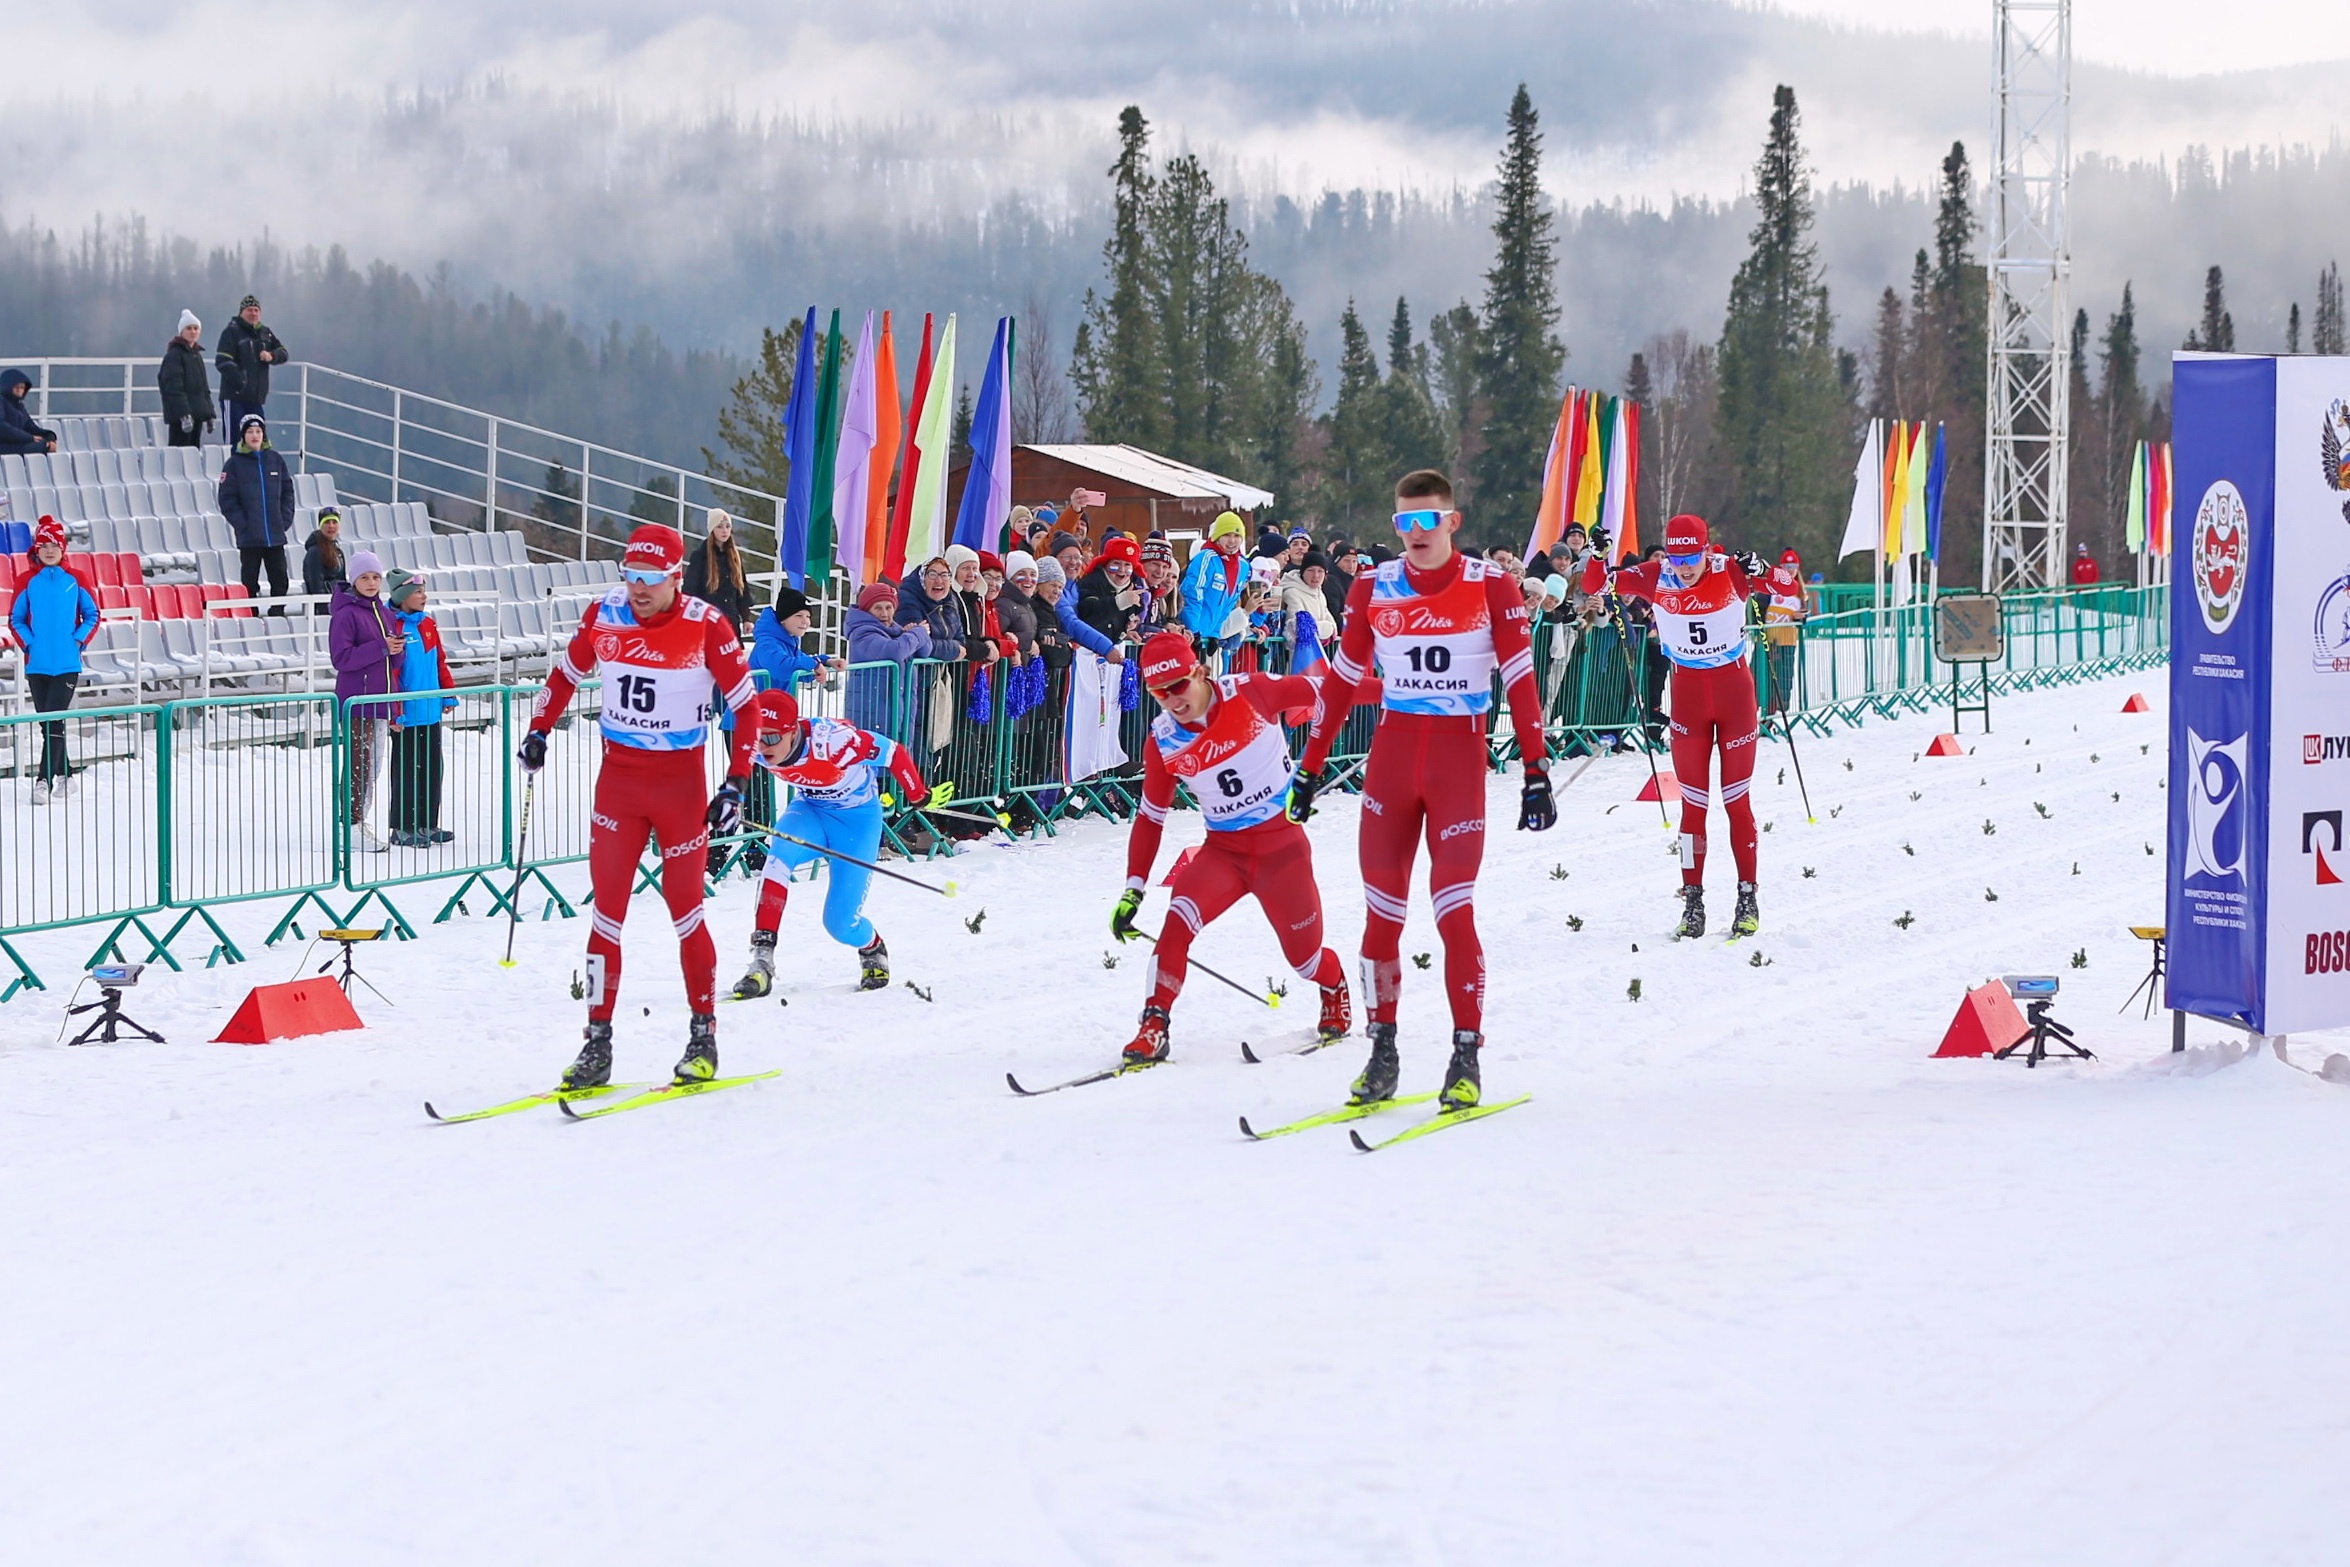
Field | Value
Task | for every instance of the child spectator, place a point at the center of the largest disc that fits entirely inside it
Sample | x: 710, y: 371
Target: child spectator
x: 53, y: 619
x: 416, y: 724
x: 363, y: 641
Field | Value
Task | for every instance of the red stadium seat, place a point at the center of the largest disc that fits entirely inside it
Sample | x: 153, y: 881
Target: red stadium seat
x: 105, y: 570
x: 235, y: 592
x: 129, y: 568
x: 7, y: 637
x: 142, y: 600
x: 113, y: 596
x: 191, y: 600
x: 7, y: 572
x: 84, y: 571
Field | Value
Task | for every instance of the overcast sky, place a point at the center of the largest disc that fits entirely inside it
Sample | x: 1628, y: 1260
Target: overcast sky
x: 2177, y: 36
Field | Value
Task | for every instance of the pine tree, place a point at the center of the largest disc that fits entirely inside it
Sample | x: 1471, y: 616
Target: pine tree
x: 959, y: 442
x: 750, y: 430
x: 2093, y: 516
x: 1356, y: 484
x: 1456, y: 345
x: 1947, y: 374
x: 2121, y: 401
x: 1785, y: 419
x: 1291, y: 389
x: 2293, y: 328
x: 1682, y: 465
x: 2326, y: 326
x: 1885, y: 373
x: 1115, y: 364
x: 1409, y: 433
x: 2216, y: 333
x: 1523, y: 355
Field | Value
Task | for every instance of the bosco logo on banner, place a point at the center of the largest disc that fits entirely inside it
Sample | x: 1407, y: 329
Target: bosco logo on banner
x: 2223, y: 554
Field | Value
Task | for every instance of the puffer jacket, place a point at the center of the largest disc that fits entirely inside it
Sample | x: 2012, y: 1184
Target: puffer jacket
x: 53, y: 619
x: 1106, y: 607
x: 423, y: 667
x: 243, y: 377
x: 356, y: 642
x: 187, y: 390
x: 1211, y: 591
x: 257, y: 497
x: 18, y: 432
x: 872, y: 640
x: 1016, y: 612
x: 952, y: 637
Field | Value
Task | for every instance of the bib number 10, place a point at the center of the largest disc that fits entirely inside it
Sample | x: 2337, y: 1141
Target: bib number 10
x: 1429, y: 660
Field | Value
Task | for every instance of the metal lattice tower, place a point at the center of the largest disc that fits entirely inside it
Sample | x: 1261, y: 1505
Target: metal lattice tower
x: 2028, y: 411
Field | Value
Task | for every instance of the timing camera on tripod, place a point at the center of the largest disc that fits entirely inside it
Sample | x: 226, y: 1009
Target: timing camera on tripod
x: 112, y: 980
x: 2038, y: 993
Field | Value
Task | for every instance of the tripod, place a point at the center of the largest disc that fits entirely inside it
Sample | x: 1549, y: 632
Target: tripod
x: 2045, y: 1032
x: 110, y: 1017
x: 2152, y: 983
x: 347, y: 939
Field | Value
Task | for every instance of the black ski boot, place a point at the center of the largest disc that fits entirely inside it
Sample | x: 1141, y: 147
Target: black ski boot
x: 700, y: 1062
x: 1461, y: 1088
x: 593, y: 1069
x: 759, y: 978
x: 1692, y: 923
x: 1748, y: 919
x: 1381, y: 1071
x: 873, y: 965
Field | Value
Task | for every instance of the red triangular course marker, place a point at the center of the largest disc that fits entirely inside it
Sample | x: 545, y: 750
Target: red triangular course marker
x: 1662, y: 787
x: 306, y: 1006
x: 2137, y: 703
x: 1946, y: 745
x: 1987, y: 1023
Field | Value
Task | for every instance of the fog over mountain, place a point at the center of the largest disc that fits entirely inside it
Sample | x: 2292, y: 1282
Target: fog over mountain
x: 711, y: 171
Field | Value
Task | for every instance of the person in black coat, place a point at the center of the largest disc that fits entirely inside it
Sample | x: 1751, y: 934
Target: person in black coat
x: 187, y: 390
x: 714, y: 573
x: 1107, y: 599
x: 247, y: 350
x: 18, y: 432
x: 257, y: 498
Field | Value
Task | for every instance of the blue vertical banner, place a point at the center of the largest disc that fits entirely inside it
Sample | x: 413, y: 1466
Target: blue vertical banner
x: 802, y: 420
x: 2222, y: 574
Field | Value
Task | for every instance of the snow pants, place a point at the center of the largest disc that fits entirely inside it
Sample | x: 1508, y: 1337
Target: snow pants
x: 661, y: 796
x: 1713, y: 709
x: 853, y: 829
x: 1275, y: 861
x: 1425, y: 778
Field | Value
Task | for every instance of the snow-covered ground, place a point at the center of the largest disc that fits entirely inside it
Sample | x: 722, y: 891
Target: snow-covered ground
x: 1752, y: 1280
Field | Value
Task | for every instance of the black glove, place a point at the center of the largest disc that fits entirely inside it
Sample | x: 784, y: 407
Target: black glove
x: 1122, y: 917
x: 725, y: 815
x: 1750, y: 563
x: 1537, y: 811
x: 533, y: 752
x: 1301, y: 795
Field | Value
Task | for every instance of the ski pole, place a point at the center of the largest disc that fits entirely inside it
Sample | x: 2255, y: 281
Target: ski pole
x: 1639, y: 711
x: 946, y: 891
x: 530, y: 791
x: 1787, y: 730
x: 1253, y: 995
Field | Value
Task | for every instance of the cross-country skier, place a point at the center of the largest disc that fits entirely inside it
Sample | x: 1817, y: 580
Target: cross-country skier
x: 836, y: 802
x: 659, y: 652
x: 1438, y: 624
x: 1221, y: 736
x: 1700, y: 597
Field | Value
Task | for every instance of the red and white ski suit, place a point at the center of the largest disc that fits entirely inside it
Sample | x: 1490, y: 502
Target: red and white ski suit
x: 1437, y: 638
x: 1237, y: 767
x: 658, y: 677
x: 1702, y: 629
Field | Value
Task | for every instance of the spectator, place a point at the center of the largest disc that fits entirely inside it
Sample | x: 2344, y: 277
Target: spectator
x: 1211, y: 584
x: 257, y: 498
x: 1107, y: 598
x: 188, y: 414
x: 880, y: 646
x: 247, y: 350
x: 18, y: 433
x: 416, y: 724
x: 1162, y: 590
x: 53, y: 619
x: 1018, y: 526
x: 1015, y: 605
x: 1303, y: 596
x: 1345, y: 561
x: 1069, y: 550
x: 1296, y: 546
x: 984, y: 645
x: 928, y: 597
x: 1052, y: 586
x: 322, y: 558
x: 714, y: 573
x: 1272, y: 544
x: 2084, y: 567
x: 991, y: 599
x: 1784, y: 613
x: 365, y: 644
x: 777, y: 649
x: 1260, y: 599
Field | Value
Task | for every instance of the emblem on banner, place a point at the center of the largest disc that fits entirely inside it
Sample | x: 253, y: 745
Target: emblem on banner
x: 2314, y: 824
x: 2215, y: 800
x: 2330, y: 628
x: 2333, y: 450
x: 2223, y: 554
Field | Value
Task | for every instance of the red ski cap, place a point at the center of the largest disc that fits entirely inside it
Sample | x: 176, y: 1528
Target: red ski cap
x: 1685, y: 535
x: 1166, y: 658
x: 48, y: 531
x: 1119, y: 547
x: 654, y: 547
x: 1790, y: 558
x: 778, y: 712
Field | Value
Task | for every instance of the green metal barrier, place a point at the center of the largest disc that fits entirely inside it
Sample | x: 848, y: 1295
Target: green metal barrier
x: 250, y: 788
x: 89, y: 854
x: 439, y: 801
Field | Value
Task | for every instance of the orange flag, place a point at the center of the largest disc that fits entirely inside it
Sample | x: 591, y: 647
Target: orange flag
x: 889, y: 430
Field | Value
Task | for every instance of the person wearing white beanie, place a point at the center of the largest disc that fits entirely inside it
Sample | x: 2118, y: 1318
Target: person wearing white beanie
x: 186, y: 385
x: 1017, y: 562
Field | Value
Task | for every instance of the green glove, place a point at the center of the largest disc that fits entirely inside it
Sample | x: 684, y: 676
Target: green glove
x: 1122, y: 918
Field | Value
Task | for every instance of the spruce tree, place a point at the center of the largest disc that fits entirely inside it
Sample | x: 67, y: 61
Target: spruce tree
x: 1456, y: 348
x: 2121, y: 401
x: 2094, y: 517
x: 1952, y: 343
x: 1115, y: 366
x: 1410, y: 435
x: 2216, y: 332
x: 2293, y: 328
x: 2326, y: 325
x: 1785, y: 419
x: 1522, y: 355
x: 1886, y: 400
x: 1356, y: 483
x: 750, y: 430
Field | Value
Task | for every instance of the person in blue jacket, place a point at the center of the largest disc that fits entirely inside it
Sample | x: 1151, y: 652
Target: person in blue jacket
x: 1212, y: 584
x: 776, y: 651
x: 1052, y: 586
x: 53, y: 619
x: 257, y: 498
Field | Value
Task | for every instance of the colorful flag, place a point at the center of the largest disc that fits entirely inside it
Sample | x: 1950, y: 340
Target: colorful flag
x: 1628, y: 540
x: 853, y: 464
x: 2134, y: 508
x: 887, y: 431
x: 1306, y: 658
x: 987, y: 483
x: 1612, y: 484
x: 820, y: 523
x: 800, y: 420
x: 1550, y: 515
x: 2158, y: 510
x: 901, y: 516
x: 1937, y: 481
x: 1896, y: 486
x: 1864, y: 529
x: 934, y: 434
x: 1591, y: 478
x: 1913, y: 498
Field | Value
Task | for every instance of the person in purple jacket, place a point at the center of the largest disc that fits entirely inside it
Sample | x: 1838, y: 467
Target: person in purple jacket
x: 365, y: 641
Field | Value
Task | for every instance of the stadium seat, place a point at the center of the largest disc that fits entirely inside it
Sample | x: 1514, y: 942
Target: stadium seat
x: 105, y: 569
x: 112, y: 596
x: 235, y: 593
x: 107, y: 465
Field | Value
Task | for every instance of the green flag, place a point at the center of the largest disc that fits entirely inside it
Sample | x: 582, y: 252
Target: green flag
x: 821, y: 531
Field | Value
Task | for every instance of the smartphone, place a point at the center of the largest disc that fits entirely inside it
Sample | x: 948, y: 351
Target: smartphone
x: 1092, y: 498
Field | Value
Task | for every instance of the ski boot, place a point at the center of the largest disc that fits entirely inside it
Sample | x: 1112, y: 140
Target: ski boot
x: 1149, y: 1044
x: 593, y: 1069
x: 1338, y: 1014
x: 1748, y: 919
x: 700, y: 1062
x: 1461, y: 1088
x: 1692, y: 923
x: 1380, y: 1072
x: 759, y: 978
x: 873, y: 965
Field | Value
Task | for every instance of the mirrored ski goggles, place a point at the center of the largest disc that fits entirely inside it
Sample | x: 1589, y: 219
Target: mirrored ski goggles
x: 1173, y: 686
x: 1686, y: 562
x: 774, y: 737
x: 645, y: 579
x: 1427, y: 521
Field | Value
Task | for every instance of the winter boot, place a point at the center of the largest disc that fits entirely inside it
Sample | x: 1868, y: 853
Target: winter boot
x: 1748, y: 919
x: 1381, y: 1071
x: 1692, y: 923
x: 41, y: 792
x: 873, y: 965
x: 1338, y: 1013
x: 593, y: 1069
x: 1149, y: 1043
x: 700, y: 1062
x: 1460, y: 1078
x: 759, y: 978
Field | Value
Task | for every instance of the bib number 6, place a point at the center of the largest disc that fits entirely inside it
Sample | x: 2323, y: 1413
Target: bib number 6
x: 1229, y: 784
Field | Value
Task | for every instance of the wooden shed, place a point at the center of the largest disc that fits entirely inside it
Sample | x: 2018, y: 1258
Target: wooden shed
x: 1145, y: 490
